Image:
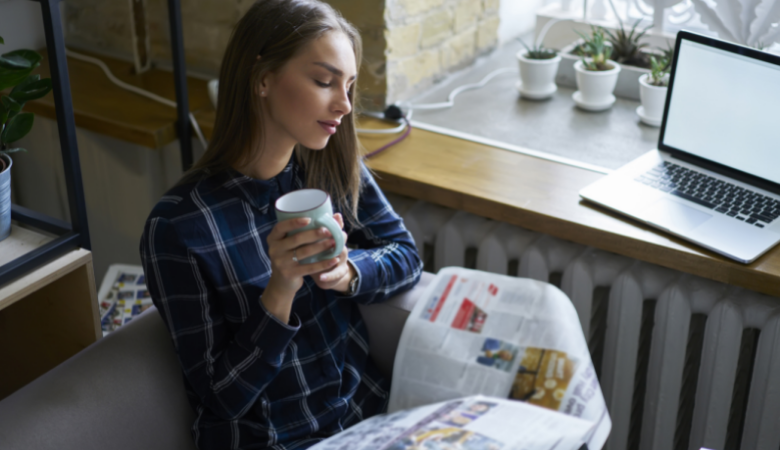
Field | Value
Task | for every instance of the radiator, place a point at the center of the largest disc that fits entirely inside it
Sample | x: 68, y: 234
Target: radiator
x: 683, y: 362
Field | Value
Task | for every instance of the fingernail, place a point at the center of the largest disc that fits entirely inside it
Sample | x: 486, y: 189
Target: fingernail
x: 334, y: 262
x: 304, y: 220
x: 323, y: 278
x: 324, y: 231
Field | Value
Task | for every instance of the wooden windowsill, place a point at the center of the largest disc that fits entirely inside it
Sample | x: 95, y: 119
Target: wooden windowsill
x: 543, y: 196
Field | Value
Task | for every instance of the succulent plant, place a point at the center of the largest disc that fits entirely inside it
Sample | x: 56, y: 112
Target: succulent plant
x: 659, y: 68
x: 668, y: 56
x: 538, y: 51
x: 626, y: 48
x: 597, y: 49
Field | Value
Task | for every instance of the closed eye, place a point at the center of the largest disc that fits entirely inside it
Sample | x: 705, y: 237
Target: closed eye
x: 321, y: 84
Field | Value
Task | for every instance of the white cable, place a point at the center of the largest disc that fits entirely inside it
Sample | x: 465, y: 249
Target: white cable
x: 430, y: 106
x: 540, y: 38
x: 399, y: 129
x: 137, y: 90
x: 466, y: 87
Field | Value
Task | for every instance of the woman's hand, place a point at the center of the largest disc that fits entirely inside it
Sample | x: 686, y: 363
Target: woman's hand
x: 286, y: 273
x: 337, y: 278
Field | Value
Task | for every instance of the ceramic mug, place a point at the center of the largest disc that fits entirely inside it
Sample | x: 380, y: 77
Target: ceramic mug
x: 315, y: 204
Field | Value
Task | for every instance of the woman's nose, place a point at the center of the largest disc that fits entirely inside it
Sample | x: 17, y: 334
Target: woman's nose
x: 342, y: 103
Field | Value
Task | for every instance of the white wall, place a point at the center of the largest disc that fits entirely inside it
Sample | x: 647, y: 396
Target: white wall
x: 517, y: 17
x: 21, y: 25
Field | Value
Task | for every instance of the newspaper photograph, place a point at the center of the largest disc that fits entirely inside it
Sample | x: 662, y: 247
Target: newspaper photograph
x: 471, y: 423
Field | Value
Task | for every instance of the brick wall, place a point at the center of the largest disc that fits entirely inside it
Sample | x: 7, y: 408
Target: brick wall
x: 428, y: 39
x: 408, y: 44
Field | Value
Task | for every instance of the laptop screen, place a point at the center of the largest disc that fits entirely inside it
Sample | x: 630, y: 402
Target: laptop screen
x: 725, y: 107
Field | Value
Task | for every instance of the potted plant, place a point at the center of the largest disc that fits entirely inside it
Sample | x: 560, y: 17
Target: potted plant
x: 632, y: 55
x: 538, y: 66
x: 15, y: 74
x: 626, y: 48
x: 652, y: 90
x: 596, y: 74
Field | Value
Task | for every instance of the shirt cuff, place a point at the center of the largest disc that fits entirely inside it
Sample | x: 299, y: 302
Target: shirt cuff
x: 359, y: 277
x: 265, y: 331
x: 366, y: 268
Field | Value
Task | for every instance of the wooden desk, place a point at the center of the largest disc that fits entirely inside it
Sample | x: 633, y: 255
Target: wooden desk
x: 46, y: 316
x: 532, y: 193
x: 543, y: 196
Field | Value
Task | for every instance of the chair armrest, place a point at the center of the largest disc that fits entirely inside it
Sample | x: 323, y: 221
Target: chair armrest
x: 386, y: 320
x: 123, y: 392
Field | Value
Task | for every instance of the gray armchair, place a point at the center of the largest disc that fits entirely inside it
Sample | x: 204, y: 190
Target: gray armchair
x: 125, y: 391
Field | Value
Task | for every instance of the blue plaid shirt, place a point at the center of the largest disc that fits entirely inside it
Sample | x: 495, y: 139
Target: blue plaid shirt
x: 254, y: 381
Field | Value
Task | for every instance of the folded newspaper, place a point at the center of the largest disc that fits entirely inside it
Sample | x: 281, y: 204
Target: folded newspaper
x: 491, y: 362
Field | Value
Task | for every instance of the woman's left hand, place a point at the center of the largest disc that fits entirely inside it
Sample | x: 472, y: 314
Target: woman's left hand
x: 338, y: 277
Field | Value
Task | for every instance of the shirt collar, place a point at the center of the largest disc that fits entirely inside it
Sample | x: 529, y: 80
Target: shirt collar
x: 259, y: 193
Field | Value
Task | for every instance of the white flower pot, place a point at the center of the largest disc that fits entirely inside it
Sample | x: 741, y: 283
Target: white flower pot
x: 627, y: 83
x: 5, y: 196
x: 595, y: 86
x: 537, y: 76
x: 653, y: 100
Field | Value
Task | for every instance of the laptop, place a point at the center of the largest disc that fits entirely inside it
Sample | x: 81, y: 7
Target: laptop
x: 715, y: 177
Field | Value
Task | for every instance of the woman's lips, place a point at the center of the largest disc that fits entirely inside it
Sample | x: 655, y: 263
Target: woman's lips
x: 331, y: 129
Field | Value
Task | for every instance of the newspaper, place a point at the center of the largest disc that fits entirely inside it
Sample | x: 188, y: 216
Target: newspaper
x: 471, y: 423
x: 477, y: 333
x: 122, y: 296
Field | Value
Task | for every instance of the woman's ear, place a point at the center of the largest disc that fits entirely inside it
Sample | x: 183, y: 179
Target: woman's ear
x: 261, y: 88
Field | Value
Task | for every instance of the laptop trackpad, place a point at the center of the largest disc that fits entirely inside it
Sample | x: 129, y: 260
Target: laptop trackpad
x: 675, y: 216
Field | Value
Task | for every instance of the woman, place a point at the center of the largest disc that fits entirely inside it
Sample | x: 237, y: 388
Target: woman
x: 274, y: 352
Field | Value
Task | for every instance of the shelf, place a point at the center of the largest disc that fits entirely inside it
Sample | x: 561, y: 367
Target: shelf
x: 46, y: 316
x: 23, y: 241
x: 103, y: 107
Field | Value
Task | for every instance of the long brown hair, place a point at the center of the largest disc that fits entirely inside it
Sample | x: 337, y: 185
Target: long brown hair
x: 276, y: 30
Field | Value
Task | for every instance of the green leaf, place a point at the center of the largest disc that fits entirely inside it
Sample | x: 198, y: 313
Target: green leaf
x: 15, y: 150
x: 10, y: 104
x: 33, y: 57
x: 31, y: 90
x: 14, y: 62
x: 10, y: 78
x: 28, y: 80
x: 17, y: 128
x: 1, y: 40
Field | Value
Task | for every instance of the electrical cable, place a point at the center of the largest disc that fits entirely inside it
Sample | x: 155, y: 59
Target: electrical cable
x: 395, y: 113
x: 451, y: 98
x: 393, y: 142
x: 137, y: 90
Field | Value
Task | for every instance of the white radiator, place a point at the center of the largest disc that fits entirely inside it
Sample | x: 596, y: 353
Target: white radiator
x: 684, y: 362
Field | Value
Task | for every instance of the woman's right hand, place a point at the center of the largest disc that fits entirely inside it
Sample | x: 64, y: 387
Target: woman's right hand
x: 286, y: 273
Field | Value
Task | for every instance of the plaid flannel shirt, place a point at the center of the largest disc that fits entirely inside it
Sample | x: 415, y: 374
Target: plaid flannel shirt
x: 254, y: 381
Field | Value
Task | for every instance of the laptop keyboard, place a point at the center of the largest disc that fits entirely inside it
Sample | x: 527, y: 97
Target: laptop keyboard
x: 718, y: 195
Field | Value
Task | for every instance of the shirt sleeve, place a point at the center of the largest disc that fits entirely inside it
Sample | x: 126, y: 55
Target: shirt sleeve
x: 227, y: 369
x: 386, y: 258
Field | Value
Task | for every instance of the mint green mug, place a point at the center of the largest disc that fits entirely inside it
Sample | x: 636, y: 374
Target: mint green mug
x: 315, y: 204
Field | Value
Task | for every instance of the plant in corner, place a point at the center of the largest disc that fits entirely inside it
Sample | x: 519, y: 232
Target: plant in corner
x: 15, y: 74
x: 652, y: 91
x: 596, y: 74
x: 538, y: 66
